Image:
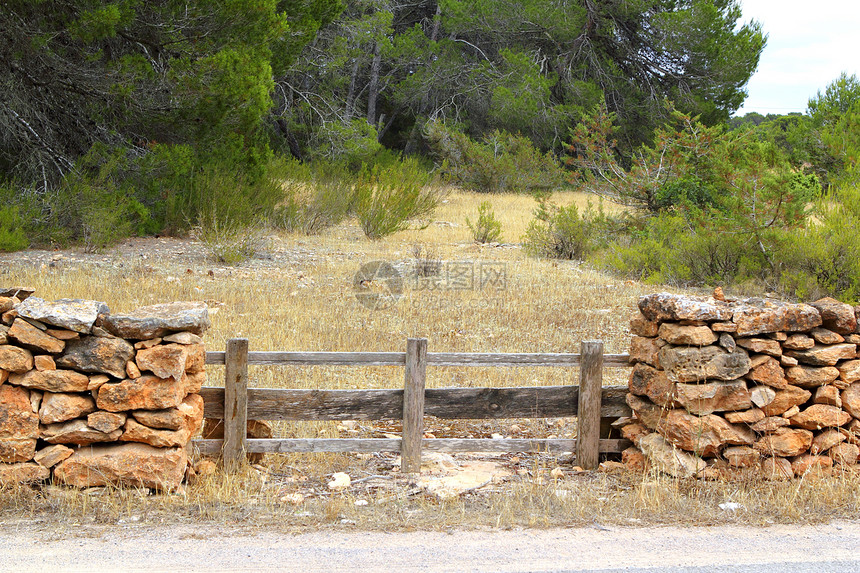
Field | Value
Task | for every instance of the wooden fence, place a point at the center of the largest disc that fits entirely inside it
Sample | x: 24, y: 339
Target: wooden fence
x: 589, y: 401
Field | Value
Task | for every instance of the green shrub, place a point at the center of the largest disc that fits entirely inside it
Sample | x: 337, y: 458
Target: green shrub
x: 561, y: 233
x: 500, y: 162
x: 487, y: 228
x: 315, y: 197
x: 12, y: 236
x: 388, y: 199
x: 230, y: 242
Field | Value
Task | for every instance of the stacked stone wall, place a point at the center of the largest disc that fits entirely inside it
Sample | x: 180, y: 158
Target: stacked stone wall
x: 89, y: 398
x: 725, y: 388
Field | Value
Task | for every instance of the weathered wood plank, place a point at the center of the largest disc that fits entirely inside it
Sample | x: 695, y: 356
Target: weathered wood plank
x: 235, y: 403
x: 369, y: 445
x: 433, y: 359
x: 446, y: 403
x: 413, y: 404
x: 588, y: 416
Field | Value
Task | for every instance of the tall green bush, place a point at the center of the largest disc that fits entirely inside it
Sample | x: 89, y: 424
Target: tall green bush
x: 389, y: 198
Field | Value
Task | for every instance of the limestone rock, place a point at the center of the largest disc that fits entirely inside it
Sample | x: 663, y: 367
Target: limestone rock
x: 148, y: 392
x: 750, y: 416
x: 634, y: 460
x: 727, y: 341
x: 19, y: 425
x: 645, y: 350
x: 741, y: 456
x: 31, y: 337
x: 769, y: 425
x: 60, y: 407
x: 785, y: 399
x: 829, y: 355
x: 762, y: 396
x: 137, y: 432
x: 19, y: 292
x: 72, y: 314
x: 189, y: 414
x: 641, y: 326
x: 194, y: 382
x: 760, y: 346
x: 776, y: 469
x: 131, y: 370
x: 826, y: 440
x: 851, y: 400
x: 826, y: 336
x: 63, y: 334
x: 196, y: 360
x: 692, y: 364
x: 6, y: 304
x: 96, y: 381
x: 788, y: 361
x: 784, y: 442
x: 52, y: 455
x: 52, y: 380
x: 845, y: 454
x: 769, y: 372
x: 633, y: 431
x: 148, y: 343
x: 820, y: 416
x: 803, y: 464
x: 646, y: 411
x: 686, y: 335
x: 44, y: 362
x: 14, y: 359
x: 647, y: 381
x: 827, y: 395
x: 758, y: 317
x: 849, y: 370
x: 22, y: 473
x: 136, y: 465
x: 724, y: 327
x: 669, y: 460
x: 811, y: 376
x: 76, y: 432
x: 164, y: 360
x: 186, y: 338
x: 106, y: 422
x: 158, y: 320
x: 703, y: 435
x: 712, y: 397
x: 97, y: 355
x: 672, y: 307
x: 836, y: 316
x: 798, y: 342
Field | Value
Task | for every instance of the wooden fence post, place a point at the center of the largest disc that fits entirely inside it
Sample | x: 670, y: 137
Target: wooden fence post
x: 588, y: 417
x: 235, y: 403
x: 413, y: 405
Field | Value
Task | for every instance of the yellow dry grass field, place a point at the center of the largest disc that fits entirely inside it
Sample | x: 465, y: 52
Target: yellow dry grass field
x: 300, y: 294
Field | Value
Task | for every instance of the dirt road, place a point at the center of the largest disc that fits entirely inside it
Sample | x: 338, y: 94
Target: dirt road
x: 829, y: 547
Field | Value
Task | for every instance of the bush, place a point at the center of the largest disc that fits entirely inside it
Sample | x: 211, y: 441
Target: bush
x: 499, y: 162
x: 230, y: 242
x: 487, y: 228
x: 561, y: 233
x: 315, y: 197
x: 387, y: 199
x: 12, y: 236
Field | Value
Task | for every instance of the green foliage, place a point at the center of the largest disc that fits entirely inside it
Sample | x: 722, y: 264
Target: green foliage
x: 12, y: 236
x: 562, y: 233
x: 230, y: 242
x: 388, y: 198
x: 487, y: 228
x: 315, y: 197
x: 499, y: 162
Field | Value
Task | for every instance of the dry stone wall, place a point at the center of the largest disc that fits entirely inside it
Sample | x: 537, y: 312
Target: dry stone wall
x: 725, y: 388
x: 90, y: 398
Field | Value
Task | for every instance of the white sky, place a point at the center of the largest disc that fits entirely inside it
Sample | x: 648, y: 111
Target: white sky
x: 809, y: 44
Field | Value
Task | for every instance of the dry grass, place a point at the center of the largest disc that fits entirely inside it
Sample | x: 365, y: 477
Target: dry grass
x: 301, y: 298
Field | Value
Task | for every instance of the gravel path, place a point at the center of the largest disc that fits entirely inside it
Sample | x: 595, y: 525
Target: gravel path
x: 829, y: 547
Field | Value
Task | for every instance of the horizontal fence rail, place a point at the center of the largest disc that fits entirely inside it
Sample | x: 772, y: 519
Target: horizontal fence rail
x: 589, y: 401
x: 399, y: 359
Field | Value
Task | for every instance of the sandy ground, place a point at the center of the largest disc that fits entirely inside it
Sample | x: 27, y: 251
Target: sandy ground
x: 829, y: 547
